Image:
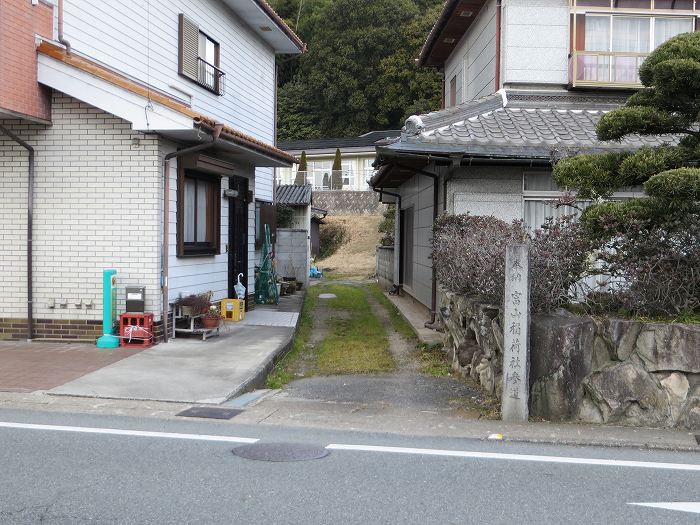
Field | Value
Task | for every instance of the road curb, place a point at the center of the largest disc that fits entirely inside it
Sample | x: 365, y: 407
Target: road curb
x: 259, y: 377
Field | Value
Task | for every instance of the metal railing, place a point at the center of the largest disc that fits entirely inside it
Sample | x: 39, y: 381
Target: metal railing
x: 211, y: 77
x: 600, y: 68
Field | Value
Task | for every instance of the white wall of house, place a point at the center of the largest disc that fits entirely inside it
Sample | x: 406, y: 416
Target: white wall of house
x: 140, y: 39
x: 493, y: 191
x: 473, y: 61
x: 208, y: 273
x: 417, y: 193
x: 535, y: 41
x: 97, y: 206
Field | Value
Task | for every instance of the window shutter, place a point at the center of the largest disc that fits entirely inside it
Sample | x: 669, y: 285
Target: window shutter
x: 189, y: 47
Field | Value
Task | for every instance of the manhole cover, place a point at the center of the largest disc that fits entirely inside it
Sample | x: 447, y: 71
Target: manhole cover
x: 210, y: 412
x: 327, y: 296
x: 280, y: 452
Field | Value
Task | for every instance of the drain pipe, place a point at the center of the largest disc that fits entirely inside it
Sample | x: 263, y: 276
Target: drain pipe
x: 61, y: 38
x: 166, y: 216
x: 432, y: 323
x: 30, y: 229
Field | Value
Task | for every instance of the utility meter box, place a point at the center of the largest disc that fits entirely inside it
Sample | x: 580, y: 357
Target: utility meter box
x: 136, y: 299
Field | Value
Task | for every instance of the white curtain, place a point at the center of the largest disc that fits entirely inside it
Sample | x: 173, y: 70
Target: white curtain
x: 631, y: 34
x: 597, y: 33
x: 202, y: 211
x: 190, y: 192
x: 666, y: 28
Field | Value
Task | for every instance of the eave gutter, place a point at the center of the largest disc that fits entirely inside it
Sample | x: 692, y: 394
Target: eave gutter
x: 216, y: 132
x: 30, y: 229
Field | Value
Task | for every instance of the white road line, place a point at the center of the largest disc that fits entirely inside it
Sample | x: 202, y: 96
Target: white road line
x: 123, y: 432
x: 516, y: 457
x: 683, y: 506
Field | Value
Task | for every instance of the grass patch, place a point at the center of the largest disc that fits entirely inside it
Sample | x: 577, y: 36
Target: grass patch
x: 285, y: 370
x: 401, y: 326
x: 433, y: 361
x: 356, y: 341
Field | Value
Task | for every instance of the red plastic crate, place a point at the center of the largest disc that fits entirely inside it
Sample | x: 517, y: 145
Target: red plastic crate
x: 136, y: 330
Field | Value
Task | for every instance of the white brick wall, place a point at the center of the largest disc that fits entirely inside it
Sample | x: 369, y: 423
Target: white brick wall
x: 97, y: 205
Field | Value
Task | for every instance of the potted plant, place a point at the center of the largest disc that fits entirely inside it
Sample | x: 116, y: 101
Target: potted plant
x: 212, y: 318
x: 193, y: 305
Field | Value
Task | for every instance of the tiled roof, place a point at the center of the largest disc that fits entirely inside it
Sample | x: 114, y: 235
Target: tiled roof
x: 293, y: 195
x: 277, y: 19
x: 367, y: 140
x: 517, y: 124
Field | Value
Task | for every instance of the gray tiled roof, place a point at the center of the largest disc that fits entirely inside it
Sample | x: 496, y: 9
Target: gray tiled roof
x: 519, y: 124
x: 293, y: 195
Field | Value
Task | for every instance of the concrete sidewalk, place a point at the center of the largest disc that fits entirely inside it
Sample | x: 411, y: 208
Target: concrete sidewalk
x: 190, y: 370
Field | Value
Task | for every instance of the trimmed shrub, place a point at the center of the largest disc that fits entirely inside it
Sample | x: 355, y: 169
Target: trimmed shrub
x: 331, y: 237
x: 387, y: 226
x: 469, y: 257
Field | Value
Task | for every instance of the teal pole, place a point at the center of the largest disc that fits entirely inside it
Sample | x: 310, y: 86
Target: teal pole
x: 109, y: 310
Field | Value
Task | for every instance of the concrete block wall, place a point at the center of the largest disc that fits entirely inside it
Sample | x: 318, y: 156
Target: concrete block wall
x: 385, y: 266
x: 97, y: 205
x: 292, y: 254
x: 349, y: 202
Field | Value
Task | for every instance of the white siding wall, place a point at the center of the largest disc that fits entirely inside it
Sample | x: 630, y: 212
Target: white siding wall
x: 417, y: 193
x: 535, y: 41
x: 188, y: 275
x: 487, y: 191
x: 97, y: 206
x: 141, y: 39
x: 473, y: 61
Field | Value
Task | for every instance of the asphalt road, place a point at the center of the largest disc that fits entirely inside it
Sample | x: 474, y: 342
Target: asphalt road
x: 135, y: 473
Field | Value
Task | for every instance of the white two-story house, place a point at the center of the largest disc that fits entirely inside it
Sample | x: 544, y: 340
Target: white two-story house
x: 136, y: 135
x: 525, y: 83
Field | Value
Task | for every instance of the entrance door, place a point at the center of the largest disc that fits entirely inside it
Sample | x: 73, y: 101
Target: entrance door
x: 407, y: 246
x: 238, y: 234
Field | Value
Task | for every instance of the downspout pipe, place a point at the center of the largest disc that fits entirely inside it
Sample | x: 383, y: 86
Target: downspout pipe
x: 166, y: 215
x: 432, y: 323
x: 499, y: 9
x: 30, y: 229
x: 61, y: 38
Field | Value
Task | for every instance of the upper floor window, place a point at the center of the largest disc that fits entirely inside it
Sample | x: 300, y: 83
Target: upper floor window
x: 199, y: 57
x: 681, y: 5
x: 609, y: 48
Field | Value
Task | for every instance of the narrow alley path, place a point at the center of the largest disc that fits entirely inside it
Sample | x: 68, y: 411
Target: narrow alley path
x: 357, y: 350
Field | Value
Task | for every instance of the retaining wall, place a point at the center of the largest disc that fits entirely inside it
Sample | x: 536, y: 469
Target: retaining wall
x: 349, y: 202
x: 594, y: 370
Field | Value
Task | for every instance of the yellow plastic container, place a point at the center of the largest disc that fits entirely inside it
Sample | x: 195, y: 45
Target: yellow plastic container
x: 233, y: 310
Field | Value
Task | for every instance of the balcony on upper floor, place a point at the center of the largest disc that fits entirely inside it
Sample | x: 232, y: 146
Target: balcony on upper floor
x: 611, y: 38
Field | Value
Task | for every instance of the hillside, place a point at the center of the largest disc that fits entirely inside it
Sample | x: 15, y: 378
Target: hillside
x: 356, y: 258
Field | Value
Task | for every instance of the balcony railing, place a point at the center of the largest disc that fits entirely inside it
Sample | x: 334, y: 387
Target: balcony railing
x: 211, y: 77
x: 605, y: 69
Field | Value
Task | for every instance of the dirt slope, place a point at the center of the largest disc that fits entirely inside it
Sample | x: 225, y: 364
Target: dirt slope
x: 356, y: 257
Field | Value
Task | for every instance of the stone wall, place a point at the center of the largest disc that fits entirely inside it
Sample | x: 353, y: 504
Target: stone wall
x: 292, y: 254
x: 583, y: 368
x: 349, y: 202
x: 385, y: 266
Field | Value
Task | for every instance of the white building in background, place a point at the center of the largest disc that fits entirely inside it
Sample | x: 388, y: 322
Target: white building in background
x: 152, y: 125
x: 357, y: 156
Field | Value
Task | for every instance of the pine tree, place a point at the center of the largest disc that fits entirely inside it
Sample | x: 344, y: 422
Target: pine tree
x: 668, y: 105
x: 337, y: 172
x: 300, y: 179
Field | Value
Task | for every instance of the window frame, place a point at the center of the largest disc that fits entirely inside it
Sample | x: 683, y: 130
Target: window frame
x: 192, y: 65
x: 205, y: 248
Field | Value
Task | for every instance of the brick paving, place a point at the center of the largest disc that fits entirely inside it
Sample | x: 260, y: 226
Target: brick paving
x: 28, y: 367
